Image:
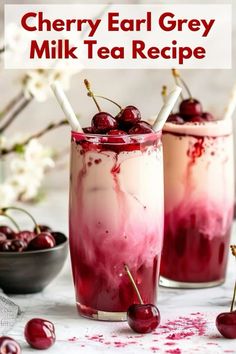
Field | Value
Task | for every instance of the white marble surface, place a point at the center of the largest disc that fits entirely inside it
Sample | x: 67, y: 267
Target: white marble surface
x: 194, y: 310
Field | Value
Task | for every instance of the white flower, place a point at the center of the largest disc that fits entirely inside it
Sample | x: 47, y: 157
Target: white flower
x: 35, y: 152
x: 36, y: 83
x: 27, y: 172
x: 7, y: 194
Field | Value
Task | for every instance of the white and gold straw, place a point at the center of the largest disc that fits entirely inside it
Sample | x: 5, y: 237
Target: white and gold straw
x: 166, y: 109
x: 66, y: 106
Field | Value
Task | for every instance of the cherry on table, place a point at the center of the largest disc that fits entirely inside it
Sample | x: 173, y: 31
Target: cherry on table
x: 141, y: 127
x: 226, y: 321
x: 102, y: 122
x: 189, y: 108
x: 42, y: 241
x: 9, y: 346
x: 175, y: 118
x: 143, y: 318
x: 40, y: 333
x: 129, y: 116
x: 226, y: 324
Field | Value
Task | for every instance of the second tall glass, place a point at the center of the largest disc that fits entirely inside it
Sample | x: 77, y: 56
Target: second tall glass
x: 199, y: 199
x: 116, y: 219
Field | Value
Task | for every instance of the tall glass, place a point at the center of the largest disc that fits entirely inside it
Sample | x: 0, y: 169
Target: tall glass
x: 116, y: 218
x: 199, y: 199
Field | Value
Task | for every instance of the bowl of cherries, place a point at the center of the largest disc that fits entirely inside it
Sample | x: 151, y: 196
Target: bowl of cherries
x: 29, y: 259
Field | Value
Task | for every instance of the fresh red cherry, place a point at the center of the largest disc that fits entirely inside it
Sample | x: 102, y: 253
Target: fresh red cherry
x: 129, y: 116
x: 141, y: 127
x: 43, y: 228
x: 40, y: 333
x: 24, y: 235
x: 102, y: 122
x: 3, y: 237
x: 175, y: 118
x: 189, y: 108
x: 197, y: 119
x: 42, y: 241
x: 59, y: 237
x: 5, y: 246
x: 6, y: 230
x: 208, y: 116
x: 226, y: 324
x: 143, y: 318
x: 9, y: 346
x: 18, y: 245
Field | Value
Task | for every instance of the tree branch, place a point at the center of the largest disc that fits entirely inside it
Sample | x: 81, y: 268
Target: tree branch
x: 15, y: 113
x: 10, y: 105
x: 18, y: 146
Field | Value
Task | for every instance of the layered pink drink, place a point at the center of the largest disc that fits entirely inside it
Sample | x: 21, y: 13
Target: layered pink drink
x: 199, y: 199
x: 116, y: 219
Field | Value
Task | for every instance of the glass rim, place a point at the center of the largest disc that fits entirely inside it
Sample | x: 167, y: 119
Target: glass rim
x: 132, y: 136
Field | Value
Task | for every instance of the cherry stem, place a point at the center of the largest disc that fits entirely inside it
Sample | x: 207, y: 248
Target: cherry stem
x: 233, y: 300
x: 108, y: 99
x: 178, y: 79
x: 24, y: 211
x: 13, y: 221
x: 91, y: 94
x: 133, y: 283
x: 233, y: 249
x: 164, y: 93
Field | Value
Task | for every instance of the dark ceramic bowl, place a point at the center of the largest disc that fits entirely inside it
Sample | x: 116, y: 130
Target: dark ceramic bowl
x: 30, y: 271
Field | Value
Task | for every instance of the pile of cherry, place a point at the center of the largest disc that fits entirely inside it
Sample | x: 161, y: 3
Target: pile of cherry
x: 11, y: 241
x: 190, y: 111
x: 126, y: 122
x: 42, y: 236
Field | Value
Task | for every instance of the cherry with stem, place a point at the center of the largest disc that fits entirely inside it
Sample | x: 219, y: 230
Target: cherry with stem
x: 4, y: 210
x: 102, y: 122
x: 142, y: 318
x: 91, y: 94
x: 226, y: 322
x: 189, y: 108
x: 178, y: 79
x: 12, y: 220
x: 133, y: 283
